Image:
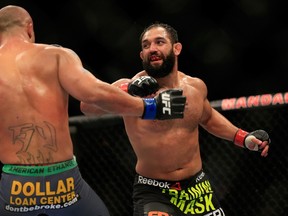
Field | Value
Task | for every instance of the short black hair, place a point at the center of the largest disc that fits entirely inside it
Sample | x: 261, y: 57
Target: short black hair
x: 170, y: 30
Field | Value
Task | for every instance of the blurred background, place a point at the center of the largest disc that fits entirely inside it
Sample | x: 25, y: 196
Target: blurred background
x: 239, y: 48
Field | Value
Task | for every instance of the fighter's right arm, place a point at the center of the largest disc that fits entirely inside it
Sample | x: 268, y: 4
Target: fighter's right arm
x: 169, y: 104
x: 84, y: 86
x: 93, y: 109
x: 77, y: 81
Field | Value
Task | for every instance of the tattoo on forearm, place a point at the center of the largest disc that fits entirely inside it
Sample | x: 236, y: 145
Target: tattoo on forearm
x: 37, y: 142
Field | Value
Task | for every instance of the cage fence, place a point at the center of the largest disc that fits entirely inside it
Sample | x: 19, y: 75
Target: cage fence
x: 246, y: 183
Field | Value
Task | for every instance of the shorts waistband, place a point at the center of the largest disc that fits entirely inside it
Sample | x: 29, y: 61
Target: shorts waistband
x: 40, y: 170
x: 139, y: 179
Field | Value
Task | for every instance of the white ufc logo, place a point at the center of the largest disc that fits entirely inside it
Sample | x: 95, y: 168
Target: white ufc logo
x: 167, y: 104
x: 140, y: 79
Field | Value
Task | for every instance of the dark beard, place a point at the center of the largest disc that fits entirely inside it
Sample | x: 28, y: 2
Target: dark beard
x: 162, y: 70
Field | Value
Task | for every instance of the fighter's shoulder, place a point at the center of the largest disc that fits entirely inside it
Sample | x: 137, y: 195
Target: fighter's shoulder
x: 55, y: 48
x: 192, y: 81
x: 195, y: 84
x: 61, y: 52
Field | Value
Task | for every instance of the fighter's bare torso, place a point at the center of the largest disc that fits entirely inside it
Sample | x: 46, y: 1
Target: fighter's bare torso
x: 32, y: 131
x: 170, y: 149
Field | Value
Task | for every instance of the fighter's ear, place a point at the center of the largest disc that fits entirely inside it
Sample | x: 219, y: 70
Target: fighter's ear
x: 177, y: 48
x: 30, y: 31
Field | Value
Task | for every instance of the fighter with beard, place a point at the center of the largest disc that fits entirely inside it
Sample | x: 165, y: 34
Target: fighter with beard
x: 170, y: 179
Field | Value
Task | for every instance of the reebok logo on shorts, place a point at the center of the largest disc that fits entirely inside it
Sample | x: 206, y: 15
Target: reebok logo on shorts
x: 153, y: 182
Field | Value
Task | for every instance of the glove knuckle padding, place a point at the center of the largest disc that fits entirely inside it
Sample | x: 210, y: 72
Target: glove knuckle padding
x: 168, y: 104
x: 178, y: 103
x: 171, y: 103
x: 143, y: 86
x: 259, y: 134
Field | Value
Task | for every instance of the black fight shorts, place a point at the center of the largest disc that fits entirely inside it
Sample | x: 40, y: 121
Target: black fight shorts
x: 53, y: 190
x: 193, y: 196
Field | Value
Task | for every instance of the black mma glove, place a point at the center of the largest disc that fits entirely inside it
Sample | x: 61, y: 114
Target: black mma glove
x: 168, y: 104
x: 243, y: 139
x: 142, y: 86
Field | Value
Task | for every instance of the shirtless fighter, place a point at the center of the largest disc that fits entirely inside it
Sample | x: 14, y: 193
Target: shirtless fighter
x: 170, y: 180
x: 40, y: 173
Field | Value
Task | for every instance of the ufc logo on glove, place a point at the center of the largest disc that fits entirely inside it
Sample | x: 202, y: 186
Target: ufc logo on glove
x: 167, y: 104
x: 140, y: 80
